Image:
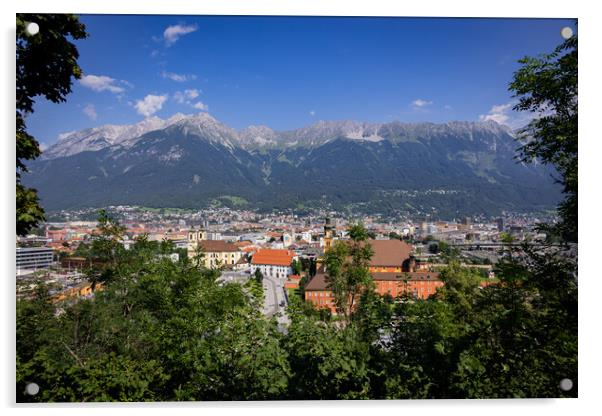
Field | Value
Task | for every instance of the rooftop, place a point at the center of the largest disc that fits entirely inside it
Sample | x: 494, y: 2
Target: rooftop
x: 217, y: 246
x: 389, y: 252
x: 273, y: 257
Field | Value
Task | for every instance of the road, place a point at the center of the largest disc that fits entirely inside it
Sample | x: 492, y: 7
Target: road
x: 274, y: 297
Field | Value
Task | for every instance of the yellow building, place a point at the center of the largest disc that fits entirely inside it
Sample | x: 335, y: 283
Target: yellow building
x: 195, y: 236
x: 216, y: 253
x: 82, y: 290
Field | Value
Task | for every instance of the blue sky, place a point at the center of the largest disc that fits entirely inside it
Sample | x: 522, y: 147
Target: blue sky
x: 288, y: 72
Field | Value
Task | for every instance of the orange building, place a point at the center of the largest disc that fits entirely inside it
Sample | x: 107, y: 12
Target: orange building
x: 273, y: 263
x: 390, y: 256
x: 393, y: 270
x: 79, y: 263
x: 419, y: 284
x: 82, y: 290
x: 292, y: 282
x: 56, y: 235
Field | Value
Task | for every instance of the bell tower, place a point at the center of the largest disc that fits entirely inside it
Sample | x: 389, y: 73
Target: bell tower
x: 194, y: 236
x: 328, y: 234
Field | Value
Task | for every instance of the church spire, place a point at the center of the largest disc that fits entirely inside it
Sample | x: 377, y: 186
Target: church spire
x: 328, y: 234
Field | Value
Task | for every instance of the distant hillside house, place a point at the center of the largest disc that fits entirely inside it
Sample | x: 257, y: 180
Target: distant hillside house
x: 273, y: 263
x: 216, y: 253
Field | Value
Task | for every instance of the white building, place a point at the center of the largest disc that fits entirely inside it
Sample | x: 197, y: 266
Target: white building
x: 33, y: 258
x: 273, y: 263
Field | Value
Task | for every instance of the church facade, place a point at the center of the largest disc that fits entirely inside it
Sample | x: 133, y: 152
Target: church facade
x: 214, y: 253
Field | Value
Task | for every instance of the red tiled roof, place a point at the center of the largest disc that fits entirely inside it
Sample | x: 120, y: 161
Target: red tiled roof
x: 217, y: 246
x: 318, y: 282
x: 242, y: 260
x: 243, y: 243
x: 389, y: 252
x: 273, y: 257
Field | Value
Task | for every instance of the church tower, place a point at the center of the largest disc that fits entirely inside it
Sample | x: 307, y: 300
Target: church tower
x: 194, y: 238
x: 328, y: 234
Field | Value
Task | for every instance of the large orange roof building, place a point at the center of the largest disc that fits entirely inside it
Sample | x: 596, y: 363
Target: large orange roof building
x: 392, y: 269
x: 273, y: 257
x: 273, y: 263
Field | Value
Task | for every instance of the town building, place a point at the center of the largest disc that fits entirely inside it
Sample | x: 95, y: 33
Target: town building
x: 273, y: 262
x: 292, y: 282
x: 215, y: 253
x: 81, y: 290
x: 393, y: 270
x: 30, y: 259
x: 393, y: 256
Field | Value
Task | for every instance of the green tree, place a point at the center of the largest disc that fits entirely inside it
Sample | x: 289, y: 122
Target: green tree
x: 296, y: 267
x: 159, y: 331
x: 198, y: 258
x: 258, y: 276
x: 347, y: 269
x: 434, y: 248
x: 326, y: 363
x: 394, y: 236
x: 46, y: 64
x: 522, y: 338
x: 547, y: 86
x: 313, y: 268
x: 108, y: 243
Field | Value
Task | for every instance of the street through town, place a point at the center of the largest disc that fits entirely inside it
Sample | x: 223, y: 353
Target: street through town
x: 274, y: 297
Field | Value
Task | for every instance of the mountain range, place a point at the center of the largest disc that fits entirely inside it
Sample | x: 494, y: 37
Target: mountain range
x: 193, y: 161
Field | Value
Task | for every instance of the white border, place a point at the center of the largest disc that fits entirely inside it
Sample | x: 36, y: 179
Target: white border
x: 590, y: 137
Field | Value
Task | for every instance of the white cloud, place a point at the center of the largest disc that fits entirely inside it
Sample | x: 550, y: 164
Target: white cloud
x: 90, y: 111
x: 173, y: 33
x: 312, y: 113
x: 178, y: 77
x: 102, y: 83
x: 200, y: 106
x: 179, y: 97
x: 504, y: 114
x: 447, y: 107
x: 191, y: 94
x: 498, y: 113
x: 420, y: 103
x: 150, y: 104
x: 186, y: 97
